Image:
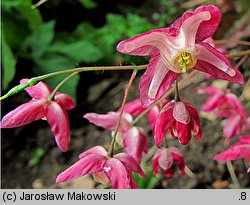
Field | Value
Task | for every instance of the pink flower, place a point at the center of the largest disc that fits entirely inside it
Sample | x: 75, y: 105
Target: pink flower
x: 116, y: 170
x: 134, y: 138
x: 181, y: 118
x: 225, y: 105
x: 179, y: 48
x: 164, y: 162
x: 240, y: 149
x: 39, y: 107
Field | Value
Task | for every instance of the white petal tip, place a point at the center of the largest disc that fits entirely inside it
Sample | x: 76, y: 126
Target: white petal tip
x: 206, y: 15
x: 231, y: 72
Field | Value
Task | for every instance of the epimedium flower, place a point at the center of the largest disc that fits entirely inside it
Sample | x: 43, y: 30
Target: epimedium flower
x: 116, y: 171
x: 226, y: 105
x: 239, y: 150
x: 41, y: 107
x: 134, y: 138
x: 181, y: 118
x: 177, y: 49
x: 164, y: 162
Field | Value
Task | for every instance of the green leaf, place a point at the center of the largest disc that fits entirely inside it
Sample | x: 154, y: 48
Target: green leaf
x: 12, y: 25
x: 9, y: 64
x: 79, y: 51
x: 146, y: 183
x: 31, y: 15
x: 88, y: 4
x: 55, y: 62
x: 36, y: 157
x: 40, y: 40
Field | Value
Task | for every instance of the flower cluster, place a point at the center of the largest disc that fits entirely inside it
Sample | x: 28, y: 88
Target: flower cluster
x: 226, y: 105
x: 187, y: 44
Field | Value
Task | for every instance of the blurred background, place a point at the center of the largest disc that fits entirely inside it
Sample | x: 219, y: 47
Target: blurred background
x: 63, y: 34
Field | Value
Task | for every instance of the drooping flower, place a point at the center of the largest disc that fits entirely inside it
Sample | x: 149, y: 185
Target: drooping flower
x: 164, y: 162
x: 134, y: 138
x: 239, y: 150
x: 40, y: 107
x: 226, y: 105
x: 181, y: 118
x: 177, y: 49
x: 116, y: 170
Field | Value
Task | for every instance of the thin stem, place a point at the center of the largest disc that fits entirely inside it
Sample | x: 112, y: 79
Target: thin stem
x: 194, y: 72
x: 242, y: 60
x: 246, y: 43
x: 82, y: 69
x: 111, y: 150
x: 38, y: 4
x: 238, y: 54
x: 37, y: 79
x: 51, y: 97
x: 177, y: 96
x: 233, y: 175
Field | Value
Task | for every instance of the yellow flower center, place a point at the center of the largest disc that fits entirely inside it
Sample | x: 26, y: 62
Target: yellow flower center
x: 185, y: 60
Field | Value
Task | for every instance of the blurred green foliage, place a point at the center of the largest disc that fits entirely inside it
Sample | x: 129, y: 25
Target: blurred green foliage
x: 27, y: 36
x: 149, y: 182
x: 36, y: 157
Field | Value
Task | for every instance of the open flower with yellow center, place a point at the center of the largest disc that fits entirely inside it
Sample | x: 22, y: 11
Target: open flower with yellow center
x: 178, y: 49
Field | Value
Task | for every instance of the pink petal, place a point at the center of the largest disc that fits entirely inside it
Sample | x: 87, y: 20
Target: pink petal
x: 234, y: 152
x: 189, y: 29
x: 211, y: 90
x: 215, y: 63
x: 134, y: 143
x: 180, y: 113
x: 94, y: 150
x: 24, y: 114
x: 160, y: 87
x: 108, y: 120
x: 165, y: 160
x: 90, y: 164
x: 64, y: 100
x: 169, y: 173
x: 184, y: 132
x: 159, y: 74
x: 145, y: 44
x: 117, y: 174
x: 234, y: 101
x: 58, y: 120
x: 195, y: 121
x: 206, y: 28
x: 233, y: 126
x: 152, y: 116
x: 163, y: 122
x: 245, y: 139
x: 134, y: 107
x: 130, y: 163
x: 156, y: 162
x: 143, y: 135
x: 178, y: 158
x: 38, y: 91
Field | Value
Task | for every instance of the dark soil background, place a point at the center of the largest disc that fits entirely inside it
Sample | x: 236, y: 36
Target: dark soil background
x: 101, y: 92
